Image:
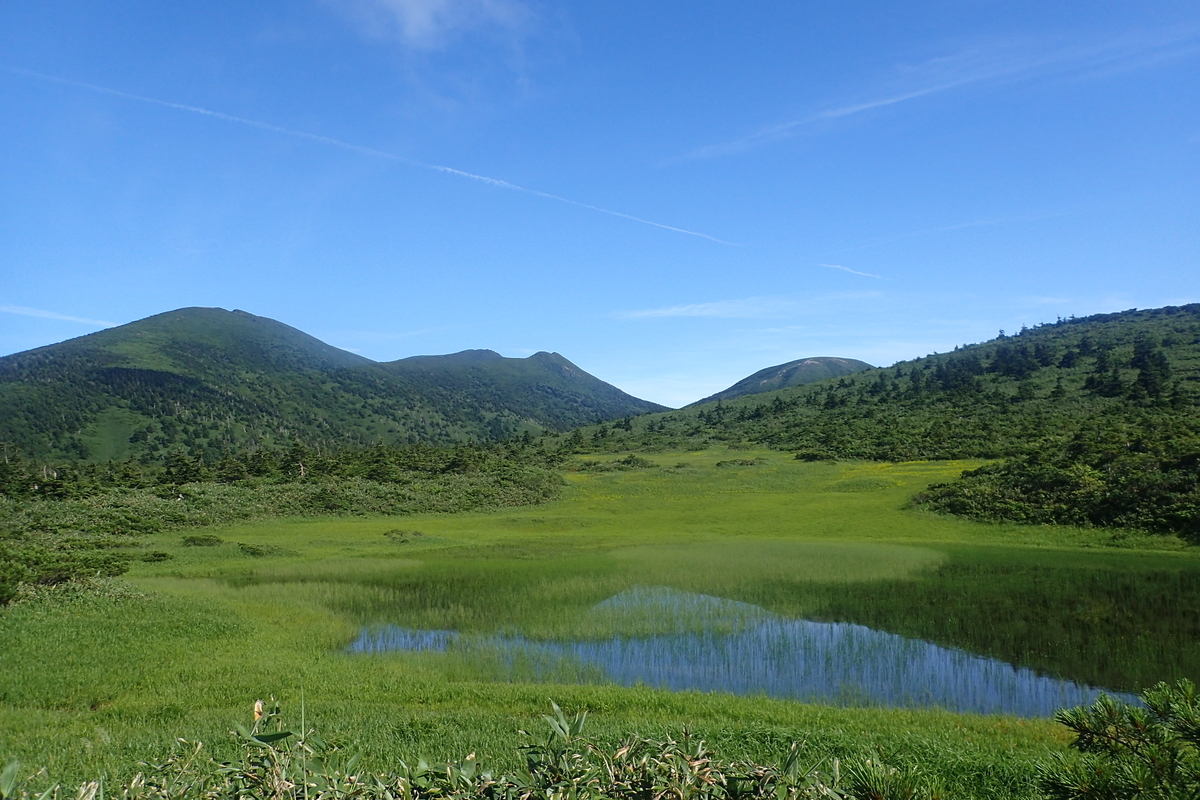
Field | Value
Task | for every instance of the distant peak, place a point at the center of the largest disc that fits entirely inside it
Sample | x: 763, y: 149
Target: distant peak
x: 793, y: 373
x: 476, y: 355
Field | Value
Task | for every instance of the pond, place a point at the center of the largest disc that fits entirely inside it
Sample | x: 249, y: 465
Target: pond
x: 680, y: 640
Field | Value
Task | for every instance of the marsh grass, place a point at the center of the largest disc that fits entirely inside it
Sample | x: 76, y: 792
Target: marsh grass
x: 782, y: 535
x: 1118, y: 620
x: 90, y: 685
x: 549, y: 597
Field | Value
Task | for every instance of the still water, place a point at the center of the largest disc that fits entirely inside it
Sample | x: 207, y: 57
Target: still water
x: 678, y: 640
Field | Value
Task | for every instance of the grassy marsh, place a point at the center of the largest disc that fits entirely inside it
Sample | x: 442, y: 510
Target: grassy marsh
x: 91, y: 683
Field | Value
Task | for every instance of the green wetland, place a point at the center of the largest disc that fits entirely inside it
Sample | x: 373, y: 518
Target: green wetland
x: 479, y: 618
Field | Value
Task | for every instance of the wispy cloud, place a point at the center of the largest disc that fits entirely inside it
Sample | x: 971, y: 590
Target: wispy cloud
x: 764, y: 307
x: 386, y: 336
x: 37, y: 312
x: 977, y: 223
x: 432, y: 24
x: 983, y: 65
x: 366, y: 151
x: 747, y: 308
x: 851, y: 271
x: 785, y: 130
x: 1035, y: 300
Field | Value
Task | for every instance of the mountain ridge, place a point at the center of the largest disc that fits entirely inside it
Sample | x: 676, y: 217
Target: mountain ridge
x: 209, y: 380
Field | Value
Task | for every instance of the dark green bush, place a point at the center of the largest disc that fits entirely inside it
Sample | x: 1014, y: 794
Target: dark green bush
x: 634, y: 461
x: 1129, y: 752
x: 25, y: 562
x: 201, y: 540
x: 402, y: 536
x: 258, y: 550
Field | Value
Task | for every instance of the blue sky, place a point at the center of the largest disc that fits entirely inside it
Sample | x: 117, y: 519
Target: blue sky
x: 672, y: 195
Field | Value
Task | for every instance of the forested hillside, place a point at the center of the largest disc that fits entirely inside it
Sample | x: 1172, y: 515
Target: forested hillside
x: 206, y: 381
x: 1098, y: 415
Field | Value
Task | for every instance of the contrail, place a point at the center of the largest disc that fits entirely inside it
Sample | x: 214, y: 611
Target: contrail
x: 997, y: 63
x: 367, y: 151
x: 37, y: 312
x: 851, y: 271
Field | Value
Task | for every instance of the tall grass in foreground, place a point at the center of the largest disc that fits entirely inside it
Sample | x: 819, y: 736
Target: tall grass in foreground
x: 276, y: 763
x: 1127, y: 752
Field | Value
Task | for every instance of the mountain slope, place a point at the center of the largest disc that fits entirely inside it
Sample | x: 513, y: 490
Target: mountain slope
x: 206, y: 380
x: 985, y: 400
x: 794, y: 373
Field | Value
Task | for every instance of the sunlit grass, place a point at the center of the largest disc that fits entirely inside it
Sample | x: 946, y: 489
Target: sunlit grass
x: 93, y: 685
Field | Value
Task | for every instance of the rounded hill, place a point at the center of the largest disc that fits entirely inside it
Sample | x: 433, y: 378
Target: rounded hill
x: 793, y: 373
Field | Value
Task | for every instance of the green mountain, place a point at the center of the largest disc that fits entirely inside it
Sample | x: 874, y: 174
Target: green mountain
x: 1099, y: 418
x: 207, y: 381
x: 563, y: 394
x: 794, y: 373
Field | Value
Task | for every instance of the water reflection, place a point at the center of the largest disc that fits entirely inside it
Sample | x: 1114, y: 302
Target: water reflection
x: 677, y: 640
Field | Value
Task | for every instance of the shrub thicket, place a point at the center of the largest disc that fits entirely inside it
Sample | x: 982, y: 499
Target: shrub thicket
x: 71, y: 522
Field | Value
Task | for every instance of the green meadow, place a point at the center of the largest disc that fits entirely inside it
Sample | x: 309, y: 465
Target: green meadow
x: 93, y: 680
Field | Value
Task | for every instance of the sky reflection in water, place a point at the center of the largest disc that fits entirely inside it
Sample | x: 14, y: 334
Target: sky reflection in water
x: 710, y: 644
